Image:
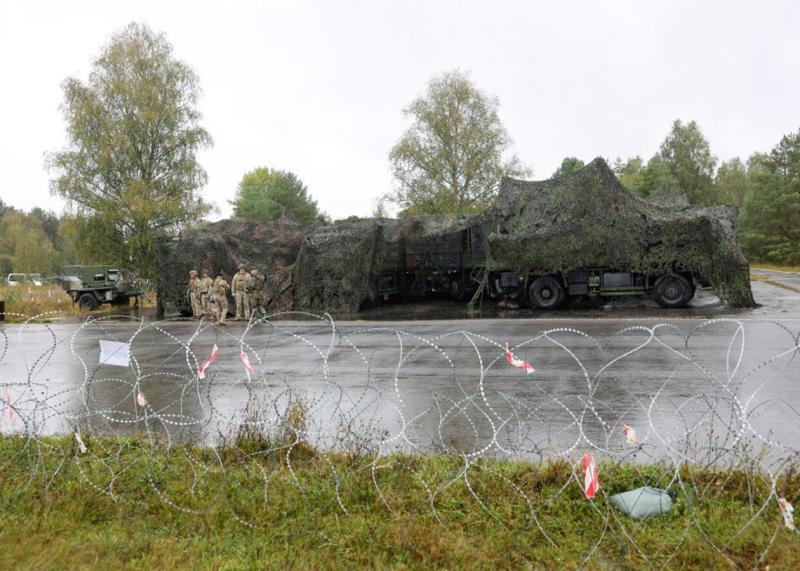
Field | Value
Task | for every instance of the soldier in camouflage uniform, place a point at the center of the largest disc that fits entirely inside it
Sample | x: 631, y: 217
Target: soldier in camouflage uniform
x: 219, y: 298
x: 239, y: 287
x: 257, y: 291
x: 193, y: 290
x: 206, y: 284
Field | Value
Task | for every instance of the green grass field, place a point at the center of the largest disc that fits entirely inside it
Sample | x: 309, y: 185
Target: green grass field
x: 187, y: 507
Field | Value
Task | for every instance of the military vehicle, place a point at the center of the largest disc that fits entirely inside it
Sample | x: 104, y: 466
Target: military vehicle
x: 586, y: 235
x: 92, y: 286
x: 581, y: 236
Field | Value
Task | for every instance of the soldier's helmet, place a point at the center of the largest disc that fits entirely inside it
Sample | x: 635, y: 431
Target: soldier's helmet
x: 254, y: 271
x: 241, y: 267
x: 193, y: 273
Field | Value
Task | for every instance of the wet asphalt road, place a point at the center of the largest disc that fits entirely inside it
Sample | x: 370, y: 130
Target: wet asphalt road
x: 668, y: 373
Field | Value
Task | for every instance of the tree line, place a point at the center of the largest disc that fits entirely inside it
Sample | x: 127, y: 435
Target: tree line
x: 129, y: 172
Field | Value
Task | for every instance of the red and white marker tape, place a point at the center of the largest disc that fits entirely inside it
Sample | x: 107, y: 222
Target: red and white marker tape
x: 7, y: 401
x: 630, y: 434
x: 787, y: 510
x: 81, y: 445
x: 519, y: 364
x: 590, y: 482
x: 201, y: 370
x: 249, y: 369
x: 140, y: 400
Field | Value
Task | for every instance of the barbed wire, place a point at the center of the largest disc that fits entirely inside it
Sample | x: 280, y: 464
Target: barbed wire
x: 720, y: 394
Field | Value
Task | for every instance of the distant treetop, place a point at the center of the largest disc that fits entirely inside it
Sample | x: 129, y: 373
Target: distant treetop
x: 264, y: 194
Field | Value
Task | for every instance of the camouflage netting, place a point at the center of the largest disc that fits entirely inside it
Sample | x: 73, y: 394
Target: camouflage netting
x: 585, y: 219
x: 270, y: 247
x: 336, y: 265
x: 589, y: 219
x: 339, y: 263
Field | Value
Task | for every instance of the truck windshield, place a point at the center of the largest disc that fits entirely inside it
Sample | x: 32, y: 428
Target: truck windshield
x: 113, y: 275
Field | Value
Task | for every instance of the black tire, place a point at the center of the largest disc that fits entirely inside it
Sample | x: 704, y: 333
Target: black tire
x: 672, y: 290
x: 88, y: 302
x: 546, y: 292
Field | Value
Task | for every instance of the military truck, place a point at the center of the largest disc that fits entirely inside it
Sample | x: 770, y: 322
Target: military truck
x: 583, y: 236
x: 92, y: 286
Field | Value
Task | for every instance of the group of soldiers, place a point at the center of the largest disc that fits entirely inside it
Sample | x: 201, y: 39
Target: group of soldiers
x: 210, y: 297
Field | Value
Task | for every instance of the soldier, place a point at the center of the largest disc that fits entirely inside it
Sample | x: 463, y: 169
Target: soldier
x: 239, y: 286
x: 193, y: 291
x: 256, y: 293
x: 220, y: 297
x: 206, y: 284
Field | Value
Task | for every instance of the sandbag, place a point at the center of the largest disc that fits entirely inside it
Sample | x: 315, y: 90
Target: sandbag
x: 642, y: 502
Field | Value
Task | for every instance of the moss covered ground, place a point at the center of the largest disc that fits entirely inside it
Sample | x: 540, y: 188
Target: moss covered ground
x: 126, y: 504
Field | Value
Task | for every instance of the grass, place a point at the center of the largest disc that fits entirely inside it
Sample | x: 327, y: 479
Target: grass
x: 775, y: 267
x: 52, y: 515
x: 24, y: 301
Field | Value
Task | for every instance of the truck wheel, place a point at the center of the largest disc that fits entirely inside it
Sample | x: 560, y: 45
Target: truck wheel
x: 672, y: 290
x: 87, y: 302
x: 546, y: 292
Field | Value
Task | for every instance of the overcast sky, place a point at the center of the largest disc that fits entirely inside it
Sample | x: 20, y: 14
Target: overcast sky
x: 318, y: 88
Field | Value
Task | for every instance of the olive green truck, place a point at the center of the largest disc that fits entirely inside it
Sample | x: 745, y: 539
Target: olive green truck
x: 92, y: 286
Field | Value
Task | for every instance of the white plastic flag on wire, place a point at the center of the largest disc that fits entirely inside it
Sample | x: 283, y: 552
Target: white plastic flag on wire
x: 630, y: 434
x: 249, y: 369
x: 7, y: 405
x: 519, y: 364
x: 114, y: 353
x: 201, y: 370
x: 590, y: 482
x: 140, y: 400
x: 787, y: 510
x: 81, y: 445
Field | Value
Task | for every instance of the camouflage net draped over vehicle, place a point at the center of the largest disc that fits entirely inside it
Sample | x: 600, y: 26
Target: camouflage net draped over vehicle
x: 339, y: 263
x: 586, y: 219
x: 589, y: 218
x: 336, y: 264
x: 271, y: 247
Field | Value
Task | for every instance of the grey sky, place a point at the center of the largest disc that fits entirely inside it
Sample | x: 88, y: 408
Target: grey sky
x: 318, y: 87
